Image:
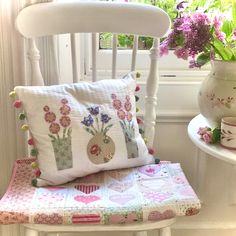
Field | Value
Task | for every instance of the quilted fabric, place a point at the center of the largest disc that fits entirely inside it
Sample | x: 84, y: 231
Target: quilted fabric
x: 147, y: 193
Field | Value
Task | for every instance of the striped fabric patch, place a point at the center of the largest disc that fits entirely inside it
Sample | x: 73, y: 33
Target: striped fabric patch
x: 87, y: 188
x: 82, y: 219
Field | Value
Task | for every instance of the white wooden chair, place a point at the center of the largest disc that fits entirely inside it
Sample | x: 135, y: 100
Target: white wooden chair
x: 93, y: 17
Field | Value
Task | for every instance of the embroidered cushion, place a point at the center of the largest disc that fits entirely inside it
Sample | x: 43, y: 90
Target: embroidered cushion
x: 83, y: 128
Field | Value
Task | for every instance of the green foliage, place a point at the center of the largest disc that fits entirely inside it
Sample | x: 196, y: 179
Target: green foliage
x: 126, y: 41
x: 216, y: 135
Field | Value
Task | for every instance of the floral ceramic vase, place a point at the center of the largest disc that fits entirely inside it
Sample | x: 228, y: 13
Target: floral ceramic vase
x: 100, y: 148
x: 217, y: 95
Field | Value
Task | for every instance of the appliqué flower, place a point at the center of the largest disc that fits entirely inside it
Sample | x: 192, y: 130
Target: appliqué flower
x: 128, y: 106
x: 121, y: 114
x: 64, y: 101
x: 117, y: 104
x: 95, y: 150
x: 50, y: 117
x: 65, y: 110
x: 65, y: 121
x: 93, y: 110
x: 88, y: 121
x: 46, y: 108
x: 105, y: 118
x: 54, y: 128
x: 129, y: 116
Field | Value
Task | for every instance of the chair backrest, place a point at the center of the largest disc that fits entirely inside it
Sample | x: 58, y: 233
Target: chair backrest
x: 94, y: 17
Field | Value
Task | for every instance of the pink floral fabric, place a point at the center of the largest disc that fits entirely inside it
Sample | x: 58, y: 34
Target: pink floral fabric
x: 148, y: 193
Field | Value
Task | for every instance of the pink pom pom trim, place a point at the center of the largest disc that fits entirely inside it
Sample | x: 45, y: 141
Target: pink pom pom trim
x: 17, y: 104
x: 31, y: 141
x: 137, y: 88
x: 151, y: 151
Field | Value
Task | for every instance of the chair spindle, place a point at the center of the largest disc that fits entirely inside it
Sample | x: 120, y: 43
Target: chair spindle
x: 134, y: 53
x: 94, y: 57
x: 151, y: 93
x: 34, y: 56
x: 114, y: 55
x: 74, y: 58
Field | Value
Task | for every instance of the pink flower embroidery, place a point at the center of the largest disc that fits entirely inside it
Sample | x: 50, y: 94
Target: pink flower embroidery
x: 50, y: 117
x: 117, y: 104
x: 113, y: 96
x: 129, y: 116
x: 121, y: 114
x: 64, y: 101
x: 54, y: 128
x: 65, y: 110
x: 95, y: 150
x: 65, y: 121
x: 46, y: 108
x: 128, y: 106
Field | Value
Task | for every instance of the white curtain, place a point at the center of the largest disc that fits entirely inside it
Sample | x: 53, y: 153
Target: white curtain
x: 13, y: 72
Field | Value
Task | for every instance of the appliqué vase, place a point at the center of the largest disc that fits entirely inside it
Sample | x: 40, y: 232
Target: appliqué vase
x: 100, y: 149
x: 63, y: 153
x: 217, y: 95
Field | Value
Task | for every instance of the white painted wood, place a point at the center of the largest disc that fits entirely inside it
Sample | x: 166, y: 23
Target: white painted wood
x: 102, y: 228
x: 114, y: 56
x: 215, y: 151
x: 34, y: 56
x: 94, y: 57
x: 31, y: 232
x: 165, y: 231
x: 63, y: 17
x: 134, y: 53
x: 232, y: 186
x: 141, y: 233
x: 151, y: 94
x: 200, y: 174
x: 74, y: 58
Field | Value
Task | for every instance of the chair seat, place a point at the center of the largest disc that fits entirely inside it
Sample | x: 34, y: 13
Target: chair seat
x: 147, y: 193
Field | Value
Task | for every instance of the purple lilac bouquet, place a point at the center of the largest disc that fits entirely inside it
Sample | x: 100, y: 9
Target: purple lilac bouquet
x: 201, y: 37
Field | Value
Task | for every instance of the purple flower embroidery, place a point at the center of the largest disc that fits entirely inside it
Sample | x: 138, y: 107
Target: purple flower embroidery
x: 88, y: 121
x: 105, y: 118
x: 93, y: 110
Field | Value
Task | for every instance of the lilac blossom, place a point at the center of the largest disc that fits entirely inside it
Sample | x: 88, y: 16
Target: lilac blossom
x: 220, y: 35
x: 234, y: 34
x: 181, y: 6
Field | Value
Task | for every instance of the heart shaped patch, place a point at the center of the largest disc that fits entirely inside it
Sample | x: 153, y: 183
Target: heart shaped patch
x: 120, y: 186
x: 122, y: 199
x: 86, y: 188
x: 86, y: 199
x: 149, y: 170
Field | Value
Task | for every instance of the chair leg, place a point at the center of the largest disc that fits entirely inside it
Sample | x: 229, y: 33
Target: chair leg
x: 165, y: 231
x: 31, y: 232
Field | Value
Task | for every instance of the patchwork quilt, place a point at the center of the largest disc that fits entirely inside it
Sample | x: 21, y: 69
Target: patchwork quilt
x: 147, y: 193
